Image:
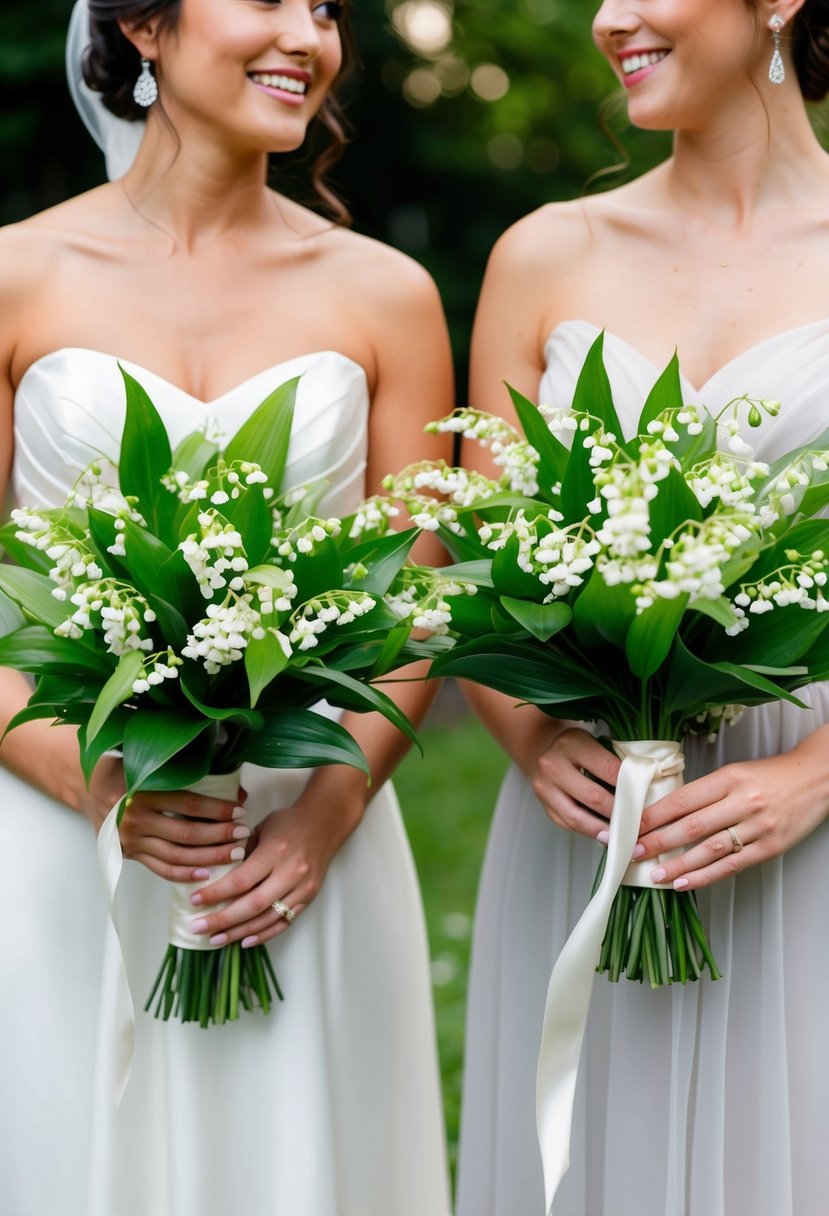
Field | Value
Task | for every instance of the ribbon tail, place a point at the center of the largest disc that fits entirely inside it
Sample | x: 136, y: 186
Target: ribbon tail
x: 571, y: 983
x: 122, y: 1034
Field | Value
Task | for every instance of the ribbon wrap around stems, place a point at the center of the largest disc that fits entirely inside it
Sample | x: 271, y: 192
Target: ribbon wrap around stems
x: 111, y: 861
x: 650, y: 770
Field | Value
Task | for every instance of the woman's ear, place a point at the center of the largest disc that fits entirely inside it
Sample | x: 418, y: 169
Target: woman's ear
x: 142, y: 37
x: 787, y: 9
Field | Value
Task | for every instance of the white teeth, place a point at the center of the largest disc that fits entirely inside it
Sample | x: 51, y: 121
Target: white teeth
x: 275, y: 80
x: 635, y: 63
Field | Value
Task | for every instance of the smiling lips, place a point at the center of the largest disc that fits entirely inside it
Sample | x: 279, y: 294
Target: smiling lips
x: 637, y: 65
x: 289, y: 85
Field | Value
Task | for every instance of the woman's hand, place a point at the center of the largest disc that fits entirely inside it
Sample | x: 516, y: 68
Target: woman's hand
x: 291, y: 853
x: 566, y: 786
x: 177, y: 835
x: 770, y: 805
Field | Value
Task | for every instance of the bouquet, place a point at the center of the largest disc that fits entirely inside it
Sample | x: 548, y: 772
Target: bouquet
x: 657, y: 584
x: 188, y: 615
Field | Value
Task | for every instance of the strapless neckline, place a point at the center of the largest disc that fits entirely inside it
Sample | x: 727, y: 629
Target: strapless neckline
x: 141, y: 371
x: 793, y: 332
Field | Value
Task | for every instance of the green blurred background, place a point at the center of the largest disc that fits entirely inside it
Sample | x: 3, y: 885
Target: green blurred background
x: 465, y: 116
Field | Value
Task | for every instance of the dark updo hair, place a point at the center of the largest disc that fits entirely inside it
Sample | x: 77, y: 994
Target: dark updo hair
x: 111, y: 66
x: 810, y: 49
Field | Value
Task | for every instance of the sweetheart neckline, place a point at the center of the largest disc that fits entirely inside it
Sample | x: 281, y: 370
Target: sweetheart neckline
x: 743, y: 354
x: 129, y: 363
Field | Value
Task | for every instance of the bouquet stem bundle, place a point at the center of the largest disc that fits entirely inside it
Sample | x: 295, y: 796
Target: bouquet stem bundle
x: 208, y: 986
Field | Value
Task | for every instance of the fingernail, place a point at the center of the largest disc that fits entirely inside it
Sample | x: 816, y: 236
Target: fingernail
x: 237, y: 854
x: 603, y: 837
x: 200, y: 875
x: 239, y: 812
x: 659, y: 874
x: 198, y: 926
x: 218, y: 939
x: 241, y: 833
x: 639, y: 850
x: 680, y: 884
x: 196, y: 898
x: 247, y: 942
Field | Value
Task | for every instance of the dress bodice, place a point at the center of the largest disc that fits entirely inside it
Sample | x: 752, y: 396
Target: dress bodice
x: 70, y: 406
x: 791, y: 367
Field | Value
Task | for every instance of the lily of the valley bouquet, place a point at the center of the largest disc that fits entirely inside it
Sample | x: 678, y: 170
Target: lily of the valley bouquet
x: 189, y: 617
x: 656, y: 584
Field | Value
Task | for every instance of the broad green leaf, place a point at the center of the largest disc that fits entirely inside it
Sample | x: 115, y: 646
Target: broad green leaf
x: 309, y: 504
x: 475, y: 615
x: 152, y: 737
x: 386, y: 560
x: 109, y: 737
x: 666, y: 394
x: 269, y: 576
x: 693, y: 684
x: 553, y: 455
x: 674, y: 505
x: 391, y: 649
x: 116, y: 690
x: 541, y: 620
x: 182, y: 770
x: 578, y: 487
x: 478, y: 572
x: 251, y: 516
x: 265, y: 437
x: 32, y: 713
x: 805, y: 537
x: 264, y: 660
x: 690, y: 449
x: 603, y: 614
x: 593, y: 394
x: 509, y: 579
x: 752, y: 677
x: 22, y: 554
x: 358, y: 695
x: 36, y: 648
x: 194, y: 455
x: 300, y: 738
x: 524, y: 672
x: 145, y: 456
x: 651, y: 635
x: 779, y: 638
x: 318, y: 571
x: 33, y: 593
x: 240, y: 714
x: 719, y: 610
x: 464, y: 548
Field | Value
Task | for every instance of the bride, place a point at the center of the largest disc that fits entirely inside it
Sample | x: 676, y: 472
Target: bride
x: 705, y: 1100
x: 212, y: 289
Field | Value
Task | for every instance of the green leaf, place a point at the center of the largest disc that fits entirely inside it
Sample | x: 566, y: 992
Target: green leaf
x: 36, y: 648
x: 541, y: 620
x: 666, y: 394
x: 270, y: 576
x: 391, y: 649
x: 386, y: 559
x: 752, y: 677
x: 361, y: 697
x: 602, y: 613
x: 264, y: 660
x: 524, y: 672
x: 693, y: 684
x: 593, y: 394
x: 265, y: 437
x: 116, y: 690
x: 553, y: 455
x: 651, y: 635
x: 318, y: 571
x: 675, y: 504
x: 145, y: 455
x: 509, y: 579
x: 33, y: 593
x: 479, y: 572
x: 194, y: 455
x: 109, y: 737
x: 780, y: 637
x: 154, y: 736
x: 300, y: 738
x: 719, y: 610
x: 251, y: 516
x: 239, y: 714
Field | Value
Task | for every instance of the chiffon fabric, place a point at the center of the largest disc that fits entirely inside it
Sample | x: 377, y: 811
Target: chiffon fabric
x: 330, y: 1106
x: 704, y: 1100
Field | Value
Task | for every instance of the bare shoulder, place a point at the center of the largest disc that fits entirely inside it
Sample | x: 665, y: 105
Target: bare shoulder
x: 383, y: 275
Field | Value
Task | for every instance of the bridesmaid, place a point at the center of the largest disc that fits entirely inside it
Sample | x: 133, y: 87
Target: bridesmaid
x: 214, y: 288
x: 707, y: 1100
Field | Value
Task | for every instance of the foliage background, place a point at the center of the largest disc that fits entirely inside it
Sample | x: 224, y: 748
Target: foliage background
x: 466, y: 114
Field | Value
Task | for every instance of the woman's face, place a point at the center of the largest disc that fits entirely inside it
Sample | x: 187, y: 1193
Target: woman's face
x: 680, y: 60
x: 256, y: 71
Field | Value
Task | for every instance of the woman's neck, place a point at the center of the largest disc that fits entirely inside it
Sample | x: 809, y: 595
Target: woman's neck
x: 195, y: 189
x: 740, y: 165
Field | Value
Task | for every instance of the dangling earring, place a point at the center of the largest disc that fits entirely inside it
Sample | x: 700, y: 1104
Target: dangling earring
x: 146, y: 89
x: 777, y: 70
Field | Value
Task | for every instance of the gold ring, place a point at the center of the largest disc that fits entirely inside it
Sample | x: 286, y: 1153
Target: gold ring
x: 735, y: 839
x: 284, y: 910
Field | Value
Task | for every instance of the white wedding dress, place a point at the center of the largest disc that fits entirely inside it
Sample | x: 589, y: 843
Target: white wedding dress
x: 330, y: 1106
x: 705, y: 1100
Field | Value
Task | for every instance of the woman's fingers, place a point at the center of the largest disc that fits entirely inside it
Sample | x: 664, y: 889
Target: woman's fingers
x: 570, y: 782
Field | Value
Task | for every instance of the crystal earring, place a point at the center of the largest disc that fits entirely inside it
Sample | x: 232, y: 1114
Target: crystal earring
x: 777, y: 71
x: 146, y: 89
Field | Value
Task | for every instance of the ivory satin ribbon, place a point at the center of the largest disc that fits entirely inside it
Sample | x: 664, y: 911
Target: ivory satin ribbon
x: 650, y: 770
x: 111, y: 861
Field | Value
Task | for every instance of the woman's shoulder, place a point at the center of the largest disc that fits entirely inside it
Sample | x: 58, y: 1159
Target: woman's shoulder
x: 30, y: 247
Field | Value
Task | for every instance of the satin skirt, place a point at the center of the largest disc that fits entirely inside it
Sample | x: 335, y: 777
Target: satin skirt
x: 329, y: 1107
x: 704, y: 1100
